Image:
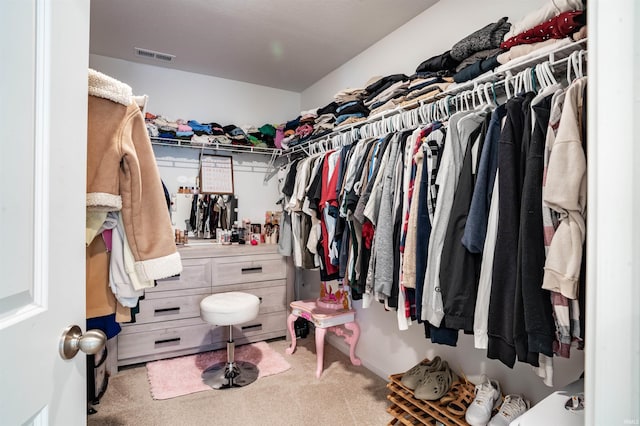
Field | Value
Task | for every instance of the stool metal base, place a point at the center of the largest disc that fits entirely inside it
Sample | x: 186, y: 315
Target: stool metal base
x: 225, y: 375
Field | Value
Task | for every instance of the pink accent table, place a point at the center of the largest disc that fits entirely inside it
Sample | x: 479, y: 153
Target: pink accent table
x: 325, y: 317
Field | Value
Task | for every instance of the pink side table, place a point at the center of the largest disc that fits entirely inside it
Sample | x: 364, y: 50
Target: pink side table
x: 325, y: 317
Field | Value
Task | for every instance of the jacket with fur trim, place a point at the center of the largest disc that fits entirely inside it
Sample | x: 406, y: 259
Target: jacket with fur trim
x: 122, y: 175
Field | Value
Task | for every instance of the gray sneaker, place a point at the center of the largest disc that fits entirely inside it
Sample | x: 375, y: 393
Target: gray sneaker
x: 512, y: 407
x: 416, y: 374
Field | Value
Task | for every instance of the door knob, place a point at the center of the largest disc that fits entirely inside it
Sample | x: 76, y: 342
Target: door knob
x: 73, y: 340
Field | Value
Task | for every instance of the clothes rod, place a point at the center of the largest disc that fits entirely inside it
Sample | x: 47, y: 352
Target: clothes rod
x: 497, y: 78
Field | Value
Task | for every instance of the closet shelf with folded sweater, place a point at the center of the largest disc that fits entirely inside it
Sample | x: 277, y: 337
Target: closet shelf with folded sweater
x: 212, y: 136
x: 216, y: 146
x: 553, y: 52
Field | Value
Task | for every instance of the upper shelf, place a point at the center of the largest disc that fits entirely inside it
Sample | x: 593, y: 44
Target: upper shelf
x: 216, y: 146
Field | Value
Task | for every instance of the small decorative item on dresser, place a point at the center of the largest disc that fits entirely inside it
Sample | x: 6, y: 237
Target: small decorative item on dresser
x: 256, y: 228
x: 270, y: 236
x: 255, y: 239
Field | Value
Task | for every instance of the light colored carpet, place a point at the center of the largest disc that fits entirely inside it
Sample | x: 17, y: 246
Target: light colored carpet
x: 344, y: 395
x: 169, y: 378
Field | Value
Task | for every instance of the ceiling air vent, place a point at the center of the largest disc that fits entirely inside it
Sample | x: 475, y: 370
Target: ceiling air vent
x: 151, y: 54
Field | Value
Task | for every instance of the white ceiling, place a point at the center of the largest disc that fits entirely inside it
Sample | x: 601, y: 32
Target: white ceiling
x: 287, y: 44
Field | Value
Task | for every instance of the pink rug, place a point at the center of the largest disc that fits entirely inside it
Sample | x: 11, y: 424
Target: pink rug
x: 169, y: 378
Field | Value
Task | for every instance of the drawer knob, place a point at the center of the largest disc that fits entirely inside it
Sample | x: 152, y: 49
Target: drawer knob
x: 252, y: 270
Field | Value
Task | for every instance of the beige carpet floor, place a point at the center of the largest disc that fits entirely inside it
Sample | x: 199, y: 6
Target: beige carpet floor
x: 344, y: 395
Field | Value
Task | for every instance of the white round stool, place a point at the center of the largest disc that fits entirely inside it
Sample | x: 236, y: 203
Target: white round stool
x: 229, y: 309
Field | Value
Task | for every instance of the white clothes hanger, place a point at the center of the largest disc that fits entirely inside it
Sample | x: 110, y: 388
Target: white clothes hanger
x: 573, y: 64
x: 507, y: 84
x: 397, y: 122
x: 355, y: 134
x: 541, y: 76
x: 415, y: 116
x: 363, y: 131
x: 379, y: 130
x: 423, y: 112
x: 485, y: 89
x: 549, y: 72
x: 578, y: 61
x: 472, y: 96
x: 479, y: 94
x: 407, y: 119
x: 443, y: 107
x: 385, y: 122
x: 394, y: 125
x: 519, y: 83
x: 466, y: 100
x: 367, y: 131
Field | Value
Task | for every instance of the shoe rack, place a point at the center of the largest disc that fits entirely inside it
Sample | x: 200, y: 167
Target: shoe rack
x: 408, y: 410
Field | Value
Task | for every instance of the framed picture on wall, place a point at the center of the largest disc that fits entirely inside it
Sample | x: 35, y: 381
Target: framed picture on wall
x: 216, y: 174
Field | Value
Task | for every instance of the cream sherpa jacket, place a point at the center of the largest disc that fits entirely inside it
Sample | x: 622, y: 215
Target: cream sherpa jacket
x: 122, y: 175
x: 565, y: 192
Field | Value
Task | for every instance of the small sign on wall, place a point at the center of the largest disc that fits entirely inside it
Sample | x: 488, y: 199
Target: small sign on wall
x: 216, y: 174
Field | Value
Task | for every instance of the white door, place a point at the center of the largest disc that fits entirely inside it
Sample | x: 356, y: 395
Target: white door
x: 44, y: 52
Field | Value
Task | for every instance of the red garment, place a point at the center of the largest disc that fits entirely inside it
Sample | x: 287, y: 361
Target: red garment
x: 367, y: 233
x: 557, y: 27
x: 412, y: 180
x: 304, y: 130
x: 328, y: 197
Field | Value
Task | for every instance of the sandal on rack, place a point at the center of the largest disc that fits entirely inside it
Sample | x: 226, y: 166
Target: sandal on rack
x: 436, y: 384
x: 416, y: 374
x: 464, y: 395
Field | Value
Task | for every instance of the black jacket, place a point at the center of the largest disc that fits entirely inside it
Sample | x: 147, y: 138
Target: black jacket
x: 534, y: 328
x: 503, y: 284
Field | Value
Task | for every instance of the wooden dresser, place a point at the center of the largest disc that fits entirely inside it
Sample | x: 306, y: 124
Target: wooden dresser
x: 168, y: 323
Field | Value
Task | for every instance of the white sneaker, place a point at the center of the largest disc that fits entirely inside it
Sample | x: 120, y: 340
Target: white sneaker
x: 512, y: 407
x: 487, y: 398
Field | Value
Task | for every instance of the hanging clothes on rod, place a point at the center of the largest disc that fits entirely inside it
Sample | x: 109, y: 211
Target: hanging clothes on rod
x: 443, y: 214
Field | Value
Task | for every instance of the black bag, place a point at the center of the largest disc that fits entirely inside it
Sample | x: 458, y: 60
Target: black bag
x: 97, y: 379
x: 301, y: 327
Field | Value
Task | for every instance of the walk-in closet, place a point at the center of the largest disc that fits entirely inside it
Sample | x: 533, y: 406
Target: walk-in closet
x: 337, y: 212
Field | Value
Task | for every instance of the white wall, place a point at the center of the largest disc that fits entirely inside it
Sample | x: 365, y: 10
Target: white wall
x: 382, y: 348
x: 180, y: 166
x: 179, y: 94
x: 431, y: 33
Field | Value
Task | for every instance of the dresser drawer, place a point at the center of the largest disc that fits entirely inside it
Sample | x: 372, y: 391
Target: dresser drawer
x: 169, y: 308
x: 196, y: 273
x: 272, y: 299
x: 235, y: 270
x: 163, y: 340
x: 274, y: 324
